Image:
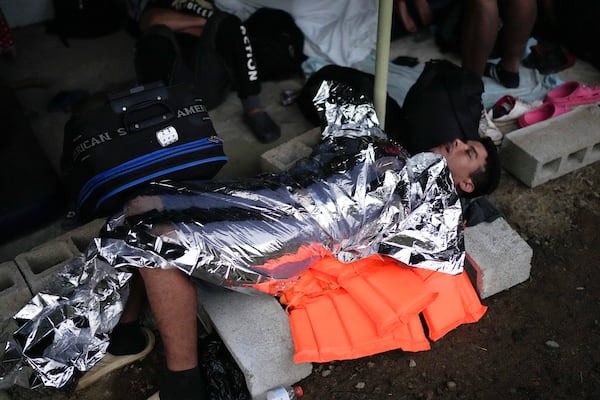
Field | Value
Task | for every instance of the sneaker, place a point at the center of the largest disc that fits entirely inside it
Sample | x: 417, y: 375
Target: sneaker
x: 263, y: 127
x: 489, y: 129
x: 110, y: 362
x: 509, y: 109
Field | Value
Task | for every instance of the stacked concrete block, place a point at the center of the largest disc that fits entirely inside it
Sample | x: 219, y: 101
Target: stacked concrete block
x: 256, y: 331
x: 41, y: 264
x: 497, y: 257
x: 14, y: 292
x: 555, y: 147
x: 284, y: 156
x: 81, y: 237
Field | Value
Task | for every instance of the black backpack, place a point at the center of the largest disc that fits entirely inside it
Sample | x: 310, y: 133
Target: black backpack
x: 277, y: 44
x: 444, y: 104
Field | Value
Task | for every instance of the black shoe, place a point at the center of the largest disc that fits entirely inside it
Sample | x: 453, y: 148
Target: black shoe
x: 505, y: 78
x: 263, y: 127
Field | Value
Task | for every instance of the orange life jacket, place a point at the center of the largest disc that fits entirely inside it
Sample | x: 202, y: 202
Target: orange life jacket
x: 343, y: 311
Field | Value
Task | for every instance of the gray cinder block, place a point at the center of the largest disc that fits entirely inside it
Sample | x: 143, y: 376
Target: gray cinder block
x: 39, y: 265
x: 552, y: 148
x: 498, y: 256
x: 82, y: 236
x: 256, y: 331
x: 14, y: 292
x: 284, y: 156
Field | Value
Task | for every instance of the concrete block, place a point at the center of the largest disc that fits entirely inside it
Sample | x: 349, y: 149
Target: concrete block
x: 497, y: 257
x: 14, y: 292
x: 256, y: 331
x: 284, y: 156
x: 40, y: 265
x: 82, y: 236
x: 555, y: 147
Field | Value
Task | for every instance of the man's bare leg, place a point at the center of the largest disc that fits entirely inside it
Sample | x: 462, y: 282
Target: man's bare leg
x: 135, y: 301
x: 172, y: 299
x: 127, y: 337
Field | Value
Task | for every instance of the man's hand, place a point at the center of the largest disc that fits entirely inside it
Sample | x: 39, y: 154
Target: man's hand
x: 177, y: 21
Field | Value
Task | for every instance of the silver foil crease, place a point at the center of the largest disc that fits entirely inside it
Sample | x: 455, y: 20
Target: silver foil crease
x: 357, y: 195
x: 63, y: 331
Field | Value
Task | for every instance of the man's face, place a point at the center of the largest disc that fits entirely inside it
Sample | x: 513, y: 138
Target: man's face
x: 463, y: 159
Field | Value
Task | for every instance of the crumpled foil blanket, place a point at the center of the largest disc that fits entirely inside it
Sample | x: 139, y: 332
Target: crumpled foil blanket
x: 357, y: 195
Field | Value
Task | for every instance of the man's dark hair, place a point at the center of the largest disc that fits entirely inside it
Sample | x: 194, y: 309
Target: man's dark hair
x: 487, y: 178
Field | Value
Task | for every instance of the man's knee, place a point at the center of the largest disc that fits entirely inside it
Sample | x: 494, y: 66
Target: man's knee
x: 142, y: 204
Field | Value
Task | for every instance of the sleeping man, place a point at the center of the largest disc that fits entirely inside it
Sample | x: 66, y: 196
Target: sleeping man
x: 359, y: 194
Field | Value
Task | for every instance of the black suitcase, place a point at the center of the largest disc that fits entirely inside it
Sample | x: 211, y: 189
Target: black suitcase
x: 145, y: 134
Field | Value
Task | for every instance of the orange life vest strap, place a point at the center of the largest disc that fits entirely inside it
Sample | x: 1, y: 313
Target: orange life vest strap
x: 389, y: 291
x: 457, y: 302
x: 335, y: 327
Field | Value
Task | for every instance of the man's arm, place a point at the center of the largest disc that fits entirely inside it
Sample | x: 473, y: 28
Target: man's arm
x: 177, y: 21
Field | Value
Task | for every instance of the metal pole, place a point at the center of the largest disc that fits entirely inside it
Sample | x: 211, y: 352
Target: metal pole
x: 382, y: 56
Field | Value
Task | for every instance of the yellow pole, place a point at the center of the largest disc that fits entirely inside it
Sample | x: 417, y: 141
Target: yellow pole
x: 382, y: 56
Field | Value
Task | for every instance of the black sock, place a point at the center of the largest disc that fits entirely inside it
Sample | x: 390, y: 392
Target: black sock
x: 127, y: 338
x: 251, y: 103
x: 183, y: 385
x: 505, y: 78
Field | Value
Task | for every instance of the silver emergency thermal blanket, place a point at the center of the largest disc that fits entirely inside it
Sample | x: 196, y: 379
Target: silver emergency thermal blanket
x: 357, y: 195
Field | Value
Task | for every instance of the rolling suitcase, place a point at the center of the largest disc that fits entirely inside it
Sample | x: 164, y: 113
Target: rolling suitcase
x: 148, y: 133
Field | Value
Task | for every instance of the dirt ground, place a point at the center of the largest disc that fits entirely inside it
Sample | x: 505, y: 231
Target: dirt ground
x: 538, y: 340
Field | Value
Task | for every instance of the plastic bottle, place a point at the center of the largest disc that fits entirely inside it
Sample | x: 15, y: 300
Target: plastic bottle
x: 285, y: 393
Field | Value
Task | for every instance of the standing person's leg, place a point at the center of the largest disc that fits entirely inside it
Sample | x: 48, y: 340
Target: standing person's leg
x: 480, y: 29
x: 233, y: 44
x: 519, y: 18
x: 172, y: 299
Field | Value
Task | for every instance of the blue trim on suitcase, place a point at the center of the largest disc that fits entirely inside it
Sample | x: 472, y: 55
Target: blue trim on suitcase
x: 156, y: 175
x: 145, y: 160
x: 148, y: 159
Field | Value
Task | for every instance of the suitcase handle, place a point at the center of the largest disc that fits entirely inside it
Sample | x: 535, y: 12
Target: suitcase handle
x: 133, y: 125
x: 121, y: 101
